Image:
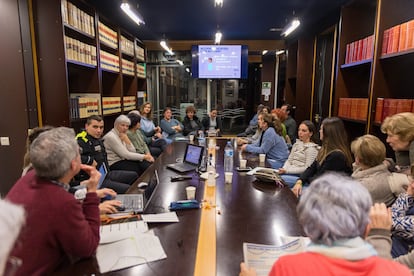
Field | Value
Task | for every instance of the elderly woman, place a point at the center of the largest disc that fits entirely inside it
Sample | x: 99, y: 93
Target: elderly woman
x: 270, y: 143
x: 121, y: 152
x: 334, y: 213
x: 371, y: 171
x: 171, y: 127
x: 192, y: 124
x: 400, y: 136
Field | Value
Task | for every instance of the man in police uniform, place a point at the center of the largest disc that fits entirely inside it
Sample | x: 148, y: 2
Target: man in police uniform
x: 93, y: 153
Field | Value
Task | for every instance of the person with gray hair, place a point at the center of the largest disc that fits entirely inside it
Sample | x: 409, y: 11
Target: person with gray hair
x: 334, y: 212
x: 58, y: 227
x: 121, y: 152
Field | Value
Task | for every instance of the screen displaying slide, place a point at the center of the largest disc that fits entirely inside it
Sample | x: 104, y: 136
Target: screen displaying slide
x: 219, y: 61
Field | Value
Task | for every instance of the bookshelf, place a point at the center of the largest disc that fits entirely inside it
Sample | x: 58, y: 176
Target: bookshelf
x: 382, y: 77
x: 87, y: 64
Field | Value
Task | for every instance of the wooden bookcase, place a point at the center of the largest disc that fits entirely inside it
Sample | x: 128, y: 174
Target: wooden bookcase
x: 82, y: 55
x: 382, y: 76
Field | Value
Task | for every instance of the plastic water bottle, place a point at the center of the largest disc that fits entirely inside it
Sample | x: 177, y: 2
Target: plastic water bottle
x: 201, y: 139
x: 228, y: 157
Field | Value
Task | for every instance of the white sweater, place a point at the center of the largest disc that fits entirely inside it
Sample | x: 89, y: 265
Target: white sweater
x: 117, y: 150
x: 301, y: 157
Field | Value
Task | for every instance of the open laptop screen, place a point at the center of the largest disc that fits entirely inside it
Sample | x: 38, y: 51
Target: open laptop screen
x: 103, y: 170
x: 193, y: 154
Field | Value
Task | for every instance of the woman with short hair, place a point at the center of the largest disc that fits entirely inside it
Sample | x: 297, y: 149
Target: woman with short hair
x: 192, y: 124
x: 171, y: 127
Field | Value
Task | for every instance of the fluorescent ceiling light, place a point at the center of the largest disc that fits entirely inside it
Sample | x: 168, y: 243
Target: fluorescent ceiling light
x: 291, y: 27
x: 218, y: 3
x: 164, y: 45
x: 218, y: 37
x: 264, y: 52
x: 280, y: 52
x: 187, y: 69
x: 133, y: 14
x: 179, y: 61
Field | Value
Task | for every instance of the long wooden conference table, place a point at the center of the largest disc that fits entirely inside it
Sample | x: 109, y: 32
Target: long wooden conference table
x: 244, y: 211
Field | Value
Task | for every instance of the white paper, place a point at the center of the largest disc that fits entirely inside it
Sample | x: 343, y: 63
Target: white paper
x: 162, y: 217
x: 135, y: 250
x: 118, y: 231
x: 205, y: 175
x: 262, y: 257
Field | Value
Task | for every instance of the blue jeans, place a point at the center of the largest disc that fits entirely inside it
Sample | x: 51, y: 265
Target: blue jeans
x: 290, y: 179
x: 275, y: 164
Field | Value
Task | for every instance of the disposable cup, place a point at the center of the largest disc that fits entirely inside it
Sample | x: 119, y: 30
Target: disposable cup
x: 262, y: 157
x: 228, y: 177
x: 243, y: 163
x: 191, y: 138
x: 190, y: 190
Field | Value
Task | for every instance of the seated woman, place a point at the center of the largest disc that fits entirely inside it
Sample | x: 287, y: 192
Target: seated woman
x: 150, y: 131
x: 252, y: 127
x: 334, y: 213
x: 400, y: 136
x: 371, y: 171
x: 270, y: 143
x: 135, y: 135
x: 192, y: 124
x: 256, y: 136
x: 403, y: 221
x: 121, y: 152
x: 171, y: 128
x: 334, y: 154
x: 212, y: 123
x: 302, y: 155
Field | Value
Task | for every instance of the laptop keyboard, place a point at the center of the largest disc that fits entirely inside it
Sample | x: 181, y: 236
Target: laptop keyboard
x: 133, y: 202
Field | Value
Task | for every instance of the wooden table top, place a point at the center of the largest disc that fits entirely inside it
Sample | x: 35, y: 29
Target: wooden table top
x: 249, y: 211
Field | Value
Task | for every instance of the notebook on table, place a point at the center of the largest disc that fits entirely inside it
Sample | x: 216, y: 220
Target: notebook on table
x: 137, y: 202
x: 191, y: 160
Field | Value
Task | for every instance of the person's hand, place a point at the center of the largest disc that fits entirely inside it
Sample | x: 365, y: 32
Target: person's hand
x: 297, y: 189
x: 281, y: 171
x: 124, y: 138
x: 243, y: 148
x: 157, y: 129
x: 245, y: 271
x: 109, y: 206
x: 94, y: 163
x: 104, y: 192
x: 410, y: 189
x: 148, y: 157
x: 380, y: 217
x: 158, y: 135
x: 94, y: 176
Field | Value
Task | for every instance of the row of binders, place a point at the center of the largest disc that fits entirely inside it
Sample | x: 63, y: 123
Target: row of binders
x: 78, y: 19
x: 79, y: 51
x: 386, y: 107
x: 359, y: 50
x: 398, y: 38
x: 357, y: 108
x: 85, y: 106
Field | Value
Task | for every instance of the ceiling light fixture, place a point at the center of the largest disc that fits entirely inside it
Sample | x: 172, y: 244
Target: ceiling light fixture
x: 218, y: 3
x: 291, y: 27
x: 132, y: 13
x: 264, y: 52
x: 279, y: 52
x: 218, y: 37
x: 166, y: 48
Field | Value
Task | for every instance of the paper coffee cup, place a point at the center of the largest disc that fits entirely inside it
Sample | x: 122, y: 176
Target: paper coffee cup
x: 262, y: 157
x: 191, y: 138
x: 243, y: 163
x: 190, y: 190
x: 228, y: 177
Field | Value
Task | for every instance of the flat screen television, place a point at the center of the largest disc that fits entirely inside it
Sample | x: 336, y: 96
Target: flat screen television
x: 219, y: 61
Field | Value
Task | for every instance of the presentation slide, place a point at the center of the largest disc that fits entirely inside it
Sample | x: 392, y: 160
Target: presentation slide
x: 219, y: 61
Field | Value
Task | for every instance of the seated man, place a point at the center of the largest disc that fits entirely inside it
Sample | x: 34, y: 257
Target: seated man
x: 57, y: 225
x: 334, y: 212
x: 122, y: 154
x: 212, y: 123
x: 253, y: 124
x: 93, y: 153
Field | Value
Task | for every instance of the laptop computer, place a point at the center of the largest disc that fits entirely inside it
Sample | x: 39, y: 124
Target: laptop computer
x: 104, y: 171
x: 192, y: 159
x: 137, y: 202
